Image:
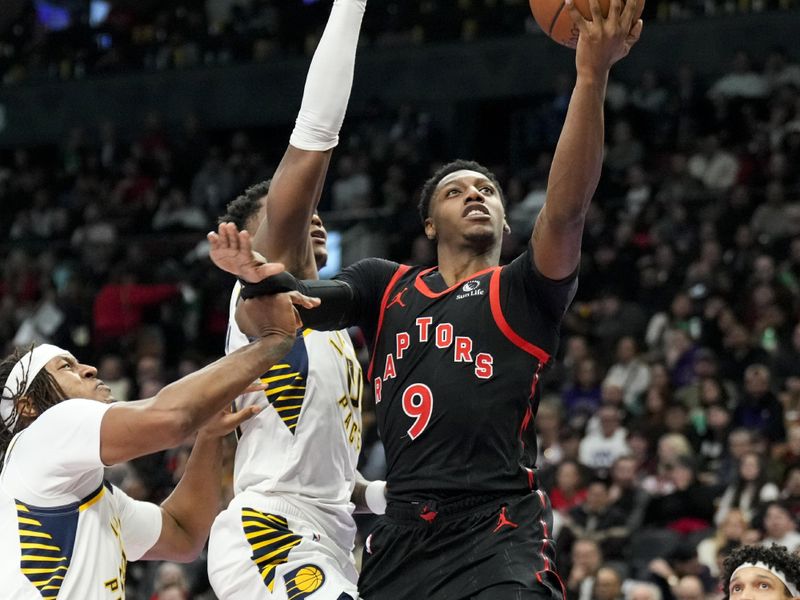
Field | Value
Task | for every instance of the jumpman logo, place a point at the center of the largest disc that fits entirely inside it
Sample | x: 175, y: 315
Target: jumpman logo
x: 398, y: 299
x: 503, y: 521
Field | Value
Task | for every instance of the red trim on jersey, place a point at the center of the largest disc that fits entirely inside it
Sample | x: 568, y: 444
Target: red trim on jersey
x: 401, y: 270
x: 500, y: 320
x: 423, y: 288
x: 557, y: 576
x: 545, y: 544
x: 526, y: 420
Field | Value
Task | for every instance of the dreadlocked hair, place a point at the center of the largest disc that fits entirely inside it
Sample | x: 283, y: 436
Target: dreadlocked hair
x: 44, y: 392
x: 429, y: 187
x: 240, y: 210
x: 777, y: 557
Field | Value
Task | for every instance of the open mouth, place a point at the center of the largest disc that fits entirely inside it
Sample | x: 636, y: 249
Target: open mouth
x: 318, y: 236
x: 476, y: 211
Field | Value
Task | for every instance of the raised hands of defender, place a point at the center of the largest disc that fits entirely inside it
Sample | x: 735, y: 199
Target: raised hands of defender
x: 274, y: 314
x: 226, y: 421
x: 604, y: 40
x: 232, y: 251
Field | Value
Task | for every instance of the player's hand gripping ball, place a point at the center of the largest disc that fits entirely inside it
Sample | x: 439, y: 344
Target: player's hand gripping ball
x: 553, y: 17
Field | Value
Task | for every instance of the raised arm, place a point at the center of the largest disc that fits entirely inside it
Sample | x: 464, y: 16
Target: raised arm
x: 133, y: 429
x: 297, y: 184
x: 578, y: 157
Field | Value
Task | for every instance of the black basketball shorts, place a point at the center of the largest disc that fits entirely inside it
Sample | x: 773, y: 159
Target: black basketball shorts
x: 496, y: 550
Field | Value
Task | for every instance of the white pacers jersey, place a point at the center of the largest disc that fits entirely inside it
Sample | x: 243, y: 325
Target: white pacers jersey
x: 64, y: 532
x: 304, y: 443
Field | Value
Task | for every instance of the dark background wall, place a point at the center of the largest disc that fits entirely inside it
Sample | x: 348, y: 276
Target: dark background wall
x: 449, y: 80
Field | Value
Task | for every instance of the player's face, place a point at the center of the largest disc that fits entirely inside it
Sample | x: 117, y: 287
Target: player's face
x: 78, y: 380
x: 756, y: 583
x: 466, y: 206
x: 319, y: 241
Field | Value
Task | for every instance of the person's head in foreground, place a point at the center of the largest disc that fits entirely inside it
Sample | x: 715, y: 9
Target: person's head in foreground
x: 38, y: 379
x: 761, y: 573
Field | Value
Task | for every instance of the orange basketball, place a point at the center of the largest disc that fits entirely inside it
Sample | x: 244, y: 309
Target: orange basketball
x: 553, y: 17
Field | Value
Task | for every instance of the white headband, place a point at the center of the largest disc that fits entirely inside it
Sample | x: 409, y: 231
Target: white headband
x: 21, y: 377
x: 779, y: 574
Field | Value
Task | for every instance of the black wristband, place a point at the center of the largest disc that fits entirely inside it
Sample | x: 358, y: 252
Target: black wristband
x: 275, y: 284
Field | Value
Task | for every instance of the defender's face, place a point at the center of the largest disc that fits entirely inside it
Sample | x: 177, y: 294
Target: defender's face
x: 78, y: 380
x: 756, y: 584
x: 319, y: 241
x: 466, y: 205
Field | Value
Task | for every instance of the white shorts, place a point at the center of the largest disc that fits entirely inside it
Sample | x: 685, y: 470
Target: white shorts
x: 264, y: 548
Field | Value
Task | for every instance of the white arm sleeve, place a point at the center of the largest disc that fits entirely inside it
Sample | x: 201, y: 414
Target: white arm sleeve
x: 330, y: 78
x: 141, y: 524
x: 56, y: 460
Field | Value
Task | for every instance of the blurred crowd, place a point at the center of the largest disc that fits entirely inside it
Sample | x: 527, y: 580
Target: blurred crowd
x: 62, y: 39
x: 669, y: 427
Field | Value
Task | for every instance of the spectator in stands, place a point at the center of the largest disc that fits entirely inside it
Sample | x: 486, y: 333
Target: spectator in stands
x: 586, y: 560
x: 598, y: 519
x: 759, y: 409
x: 625, y: 493
x: 741, y: 82
x: 601, y: 448
x: 780, y: 527
x: 729, y: 531
x: 569, y: 490
x: 689, y: 508
x: 629, y: 372
x: 690, y: 587
x: 748, y: 491
x: 790, y: 493
x: 642, y: 590
x: 583, y: 398
x: 119, y: 306
x: 713, y: 441
x: 607, y: 584
x: 549, y: 423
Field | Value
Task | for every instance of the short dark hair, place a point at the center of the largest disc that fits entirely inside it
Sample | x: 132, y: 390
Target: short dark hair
x: 43, y: 391
x: 426, y: 195
x: 777, y: 557
x: 240, y: 210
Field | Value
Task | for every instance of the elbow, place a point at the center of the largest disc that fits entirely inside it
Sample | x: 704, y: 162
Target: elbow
x: 191, y: 553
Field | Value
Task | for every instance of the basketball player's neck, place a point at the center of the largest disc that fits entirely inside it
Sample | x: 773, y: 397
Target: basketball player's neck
x: 458, y: 263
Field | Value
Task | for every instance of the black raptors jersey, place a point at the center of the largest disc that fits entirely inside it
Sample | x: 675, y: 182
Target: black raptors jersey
x: 454, y: 372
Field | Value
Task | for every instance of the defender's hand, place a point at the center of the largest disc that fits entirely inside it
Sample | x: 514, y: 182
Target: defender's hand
x: 226, y: 421
x: 276, y: 314
x: 604, y: 40
x: 232, y: 251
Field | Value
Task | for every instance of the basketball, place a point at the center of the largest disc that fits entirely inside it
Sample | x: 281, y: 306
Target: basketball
x: 553, y: 17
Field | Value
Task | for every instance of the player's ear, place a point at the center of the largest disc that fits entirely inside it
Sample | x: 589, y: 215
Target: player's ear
x: 506, y: 226
x: 430, y: 229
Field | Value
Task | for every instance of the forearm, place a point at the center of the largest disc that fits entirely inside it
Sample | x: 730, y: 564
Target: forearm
x: 578, y: 157
x: 369, y: 497
x: 337, y: 308
x: 330, y: 78
x: 358, y: 497
x: 297, y: 184
x: 197, y: 498
x: 197, y: 397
